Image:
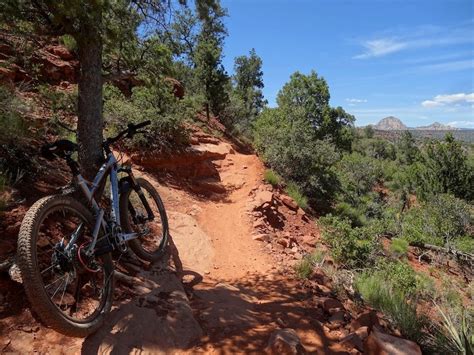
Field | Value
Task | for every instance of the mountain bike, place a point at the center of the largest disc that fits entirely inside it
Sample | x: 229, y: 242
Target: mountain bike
x: 66, y: 241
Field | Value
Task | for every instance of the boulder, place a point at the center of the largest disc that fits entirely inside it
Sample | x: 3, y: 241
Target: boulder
x: 353, y: 341
x: 283, y: 242
x: 262, y: 237
x: 285, y: 342
x: 309, y: 240
x: 338, y: 318
x: 367, y: 319
x: 263, y: 197
x: 320, y: 277
x: 329, y: 304
x: 289, y: 202
x: 379, y: 343
x: 60, y: 51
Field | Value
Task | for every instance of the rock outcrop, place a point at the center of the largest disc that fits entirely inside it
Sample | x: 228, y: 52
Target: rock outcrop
x: 285, y: 342
x: 379, y: 343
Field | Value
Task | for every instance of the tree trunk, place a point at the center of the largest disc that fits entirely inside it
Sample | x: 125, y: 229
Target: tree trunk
x: 90, y: 121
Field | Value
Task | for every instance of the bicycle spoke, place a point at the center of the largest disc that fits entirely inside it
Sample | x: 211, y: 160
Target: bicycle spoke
x: 52, y: 283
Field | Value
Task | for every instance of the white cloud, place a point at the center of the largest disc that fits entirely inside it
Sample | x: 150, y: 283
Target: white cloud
x: 413, y: 38
x: 380, y: 47
x: 356, y: 101
x: 465, y: 124
x: 442, y: 100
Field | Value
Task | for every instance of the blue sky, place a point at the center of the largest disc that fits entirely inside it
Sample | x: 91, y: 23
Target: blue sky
x: 406, y: 58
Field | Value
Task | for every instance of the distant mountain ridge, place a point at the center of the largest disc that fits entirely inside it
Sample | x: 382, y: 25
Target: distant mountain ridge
x: 392, y: 123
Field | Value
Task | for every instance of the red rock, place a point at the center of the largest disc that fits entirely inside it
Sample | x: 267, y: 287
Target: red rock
x: 289, y: 202
x: 7, y: 75
x: 353, y: 341
x: 331, y: 303
x: 379, y: 343
x: 285, y: 342
x: 261, y: 237
x: 309, y: 240
x: 283, y: 242
x: 362, y: 332
x: 338, y: 317
x: 263, y: 197
x: 259, y: 223
x: 323, y: 290
x: 60, y: 51
x: 320, y: 277
x: 178, y: 88
x: 367, y: 319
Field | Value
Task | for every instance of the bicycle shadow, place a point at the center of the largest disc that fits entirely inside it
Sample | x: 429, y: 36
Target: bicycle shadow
x: 158, y: 318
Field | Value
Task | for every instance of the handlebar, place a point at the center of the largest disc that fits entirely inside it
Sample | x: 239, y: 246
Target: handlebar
x: 131, y: 130
x: 64, y: 148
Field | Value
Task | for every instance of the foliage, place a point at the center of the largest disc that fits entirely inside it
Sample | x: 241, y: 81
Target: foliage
x: 358, y: 175
x: 457, y: 338
x: 272, y: 178
x: 248, y: 80
x: 376, y: 148
x: 155, y: 103
x: 304, y: 268
x: 207, y: 58
x: 439, y: 221
x: 69, y: 42
x: 294, y: 192
x: 446, y: 170
x: 11, y: 121
x: 378, y: 291
x: 306, y: 98
x: 59, y: 100
x: 352, y: 247
x: 399, y: 247
x: 408, y: 152
x: 291, y: 150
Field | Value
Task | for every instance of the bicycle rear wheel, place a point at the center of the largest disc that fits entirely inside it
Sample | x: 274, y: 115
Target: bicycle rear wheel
x: 134, y: 218
x: 69, y: 291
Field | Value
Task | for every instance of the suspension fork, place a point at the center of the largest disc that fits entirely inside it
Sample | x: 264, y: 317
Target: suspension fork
x: 130, y: 182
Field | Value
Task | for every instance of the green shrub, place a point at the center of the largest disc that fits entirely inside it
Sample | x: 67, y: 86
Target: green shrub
x: 376, y: 289
x: 465, y: 244
x: 167, y: 114
x: 399, y: 247
x: 353, y: 247
x: 11, y: 122
x: 446, y: 170
x: 302, y: 139
x: 440, y: 221
x: 294, y: 192
x: 272, y: 178
x: 455, y: 337
x: 59, y: 100
x: 304, y: 268
x: 69, y: 42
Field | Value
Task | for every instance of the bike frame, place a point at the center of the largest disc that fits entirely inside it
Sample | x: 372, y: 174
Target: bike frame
x: 111, y: 168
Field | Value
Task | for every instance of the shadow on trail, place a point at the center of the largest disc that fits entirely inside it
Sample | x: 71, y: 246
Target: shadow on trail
x: 157, y: 319
x: 240, y: 316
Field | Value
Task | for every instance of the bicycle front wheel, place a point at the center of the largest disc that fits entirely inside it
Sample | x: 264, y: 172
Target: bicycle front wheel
x: 70, y: 291
x: 135, y: 218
